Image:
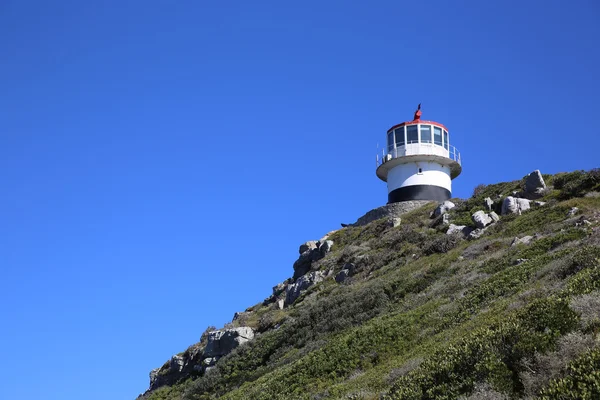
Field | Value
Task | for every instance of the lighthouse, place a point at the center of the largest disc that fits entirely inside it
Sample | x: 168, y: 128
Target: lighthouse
x: 418, y: 162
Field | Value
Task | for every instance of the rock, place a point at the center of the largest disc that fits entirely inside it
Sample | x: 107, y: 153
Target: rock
x: 523, y: 240
x: 443, y: 208
x: 279, y: 288
x: 166, y: 374
x: 221, y: 342
x: 242, y: 314
x: 445, y: 219
x: 313, y: 251
x: 394, y: 222
x: 476, y: 233
x: 539, y: 203
x: 390, y: 211
x: 210, y: 361
x: 481, y: 219
x: 325, y: 246
x: 520, y: 261
x: 342, y: 275
x: 294, y: 290
x: 280, y: 304
x: 572, y: 211
x: 459, y: 229
x: 312, y: 244
x: 495, y: 217
x: 513, y: 205
x: 488, y: 203
x: 534, y: 183
x: 154, y: 377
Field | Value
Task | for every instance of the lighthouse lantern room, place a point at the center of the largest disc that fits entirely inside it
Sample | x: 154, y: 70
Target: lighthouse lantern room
x: 418, y: 162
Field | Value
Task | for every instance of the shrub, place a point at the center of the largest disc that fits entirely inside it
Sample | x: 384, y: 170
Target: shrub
x: 440, y: 244
x: 577, y: 183
x: 581, y: 382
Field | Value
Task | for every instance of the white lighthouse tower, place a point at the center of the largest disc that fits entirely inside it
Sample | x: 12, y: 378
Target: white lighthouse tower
x: 418, y: 163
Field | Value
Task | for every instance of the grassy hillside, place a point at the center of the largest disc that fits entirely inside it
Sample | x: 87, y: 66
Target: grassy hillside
x: 428, y: 315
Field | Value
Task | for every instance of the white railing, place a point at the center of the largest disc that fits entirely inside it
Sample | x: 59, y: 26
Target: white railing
x: 411, y: 149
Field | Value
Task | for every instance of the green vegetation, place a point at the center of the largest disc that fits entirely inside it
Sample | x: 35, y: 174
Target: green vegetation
x: 427, y: 315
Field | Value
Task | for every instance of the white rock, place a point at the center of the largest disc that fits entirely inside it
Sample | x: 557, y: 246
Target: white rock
x: 488, y: 203
x: 481, y: 219
x: 494, y: 217
x: 534, y: 183
x: 443, y: 208
x: 513, y: 205
x: 523, y: 240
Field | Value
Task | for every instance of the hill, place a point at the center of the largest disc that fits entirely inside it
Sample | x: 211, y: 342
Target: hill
x: 493, y: 297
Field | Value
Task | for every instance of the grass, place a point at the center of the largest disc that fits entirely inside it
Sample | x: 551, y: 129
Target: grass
x: 428, y: 316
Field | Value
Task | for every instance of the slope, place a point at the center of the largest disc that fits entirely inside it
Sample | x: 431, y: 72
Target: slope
x: 406, y: 309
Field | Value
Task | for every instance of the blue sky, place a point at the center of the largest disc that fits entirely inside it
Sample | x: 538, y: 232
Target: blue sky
x: 161, y: 162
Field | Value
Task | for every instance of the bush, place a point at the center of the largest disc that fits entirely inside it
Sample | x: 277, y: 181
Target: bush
x: 577, y: 183
x: 440, y: 244
x: 582, y: 381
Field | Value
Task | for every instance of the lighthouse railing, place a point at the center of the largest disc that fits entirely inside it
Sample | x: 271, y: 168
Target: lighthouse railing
x: 418, y: 149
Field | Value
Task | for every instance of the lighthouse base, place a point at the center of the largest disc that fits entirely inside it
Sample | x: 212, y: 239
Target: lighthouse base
x: 419, y: 192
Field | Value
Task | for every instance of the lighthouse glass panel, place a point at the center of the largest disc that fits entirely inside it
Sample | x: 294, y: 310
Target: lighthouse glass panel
x: 400, y: 137
x: 446, y: 140
x: 390, y: 140
x: 437, y: 135
x: 425, y: 133
x: 412, y: 134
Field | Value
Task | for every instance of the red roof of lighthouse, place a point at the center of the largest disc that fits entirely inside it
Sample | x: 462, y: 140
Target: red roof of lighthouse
x: 417, y: 120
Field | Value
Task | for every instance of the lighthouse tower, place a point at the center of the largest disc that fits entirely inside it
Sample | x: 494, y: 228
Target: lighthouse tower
x: 418, y: 163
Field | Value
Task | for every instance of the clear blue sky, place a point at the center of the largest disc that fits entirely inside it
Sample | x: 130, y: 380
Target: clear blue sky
x: 161, y: 161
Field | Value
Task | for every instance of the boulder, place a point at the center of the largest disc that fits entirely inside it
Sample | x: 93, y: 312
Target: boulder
x: 168, y: 373
x: 154, y: 377
x: 394, y: 222
x: 241, y: 315
x: 534, y: 183
x: 443, y: 208
x: 389, y: 211
x: 459, y: 229
x: 481, y: 219
x: 312, y: 244
x: 523, y: 240
x: 488, y: 203
x: 279, y: 288
x: 325, y: 246
x: 572, y: 211
x: 513, y: 205
x: 313, y: 251
x: 495, y: 217
x: 342, y: 275
x: 476, y: 233
x: 294, y: 290
x: 221, y: 342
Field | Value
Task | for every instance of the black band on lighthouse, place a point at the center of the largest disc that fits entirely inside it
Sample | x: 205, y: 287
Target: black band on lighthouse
x: 419, y: 192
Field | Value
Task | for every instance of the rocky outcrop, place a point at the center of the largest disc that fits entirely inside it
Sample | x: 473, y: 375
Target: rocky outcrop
x: 534, y: 184
x: 294, y: 290
x: 392, y: 210
x: 488, y: 203
x: 221, y: 342
x: 514, y: 205
x: 310, y: 252
x: 198, y: 359
x: 459, y: 229
x: 443, y: 208
x: 345, y: 273
x: 481, y: 219
x: 524, y: 240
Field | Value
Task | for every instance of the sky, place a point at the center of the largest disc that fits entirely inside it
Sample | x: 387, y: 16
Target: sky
x: 161, y: 161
